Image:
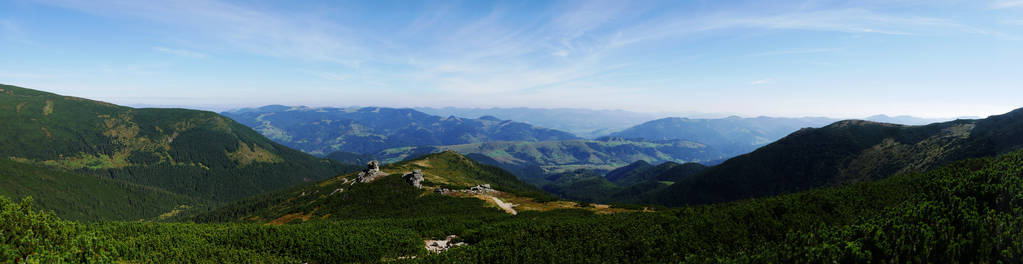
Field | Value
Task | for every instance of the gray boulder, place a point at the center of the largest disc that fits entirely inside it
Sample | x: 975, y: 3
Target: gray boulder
x: 415, y: 178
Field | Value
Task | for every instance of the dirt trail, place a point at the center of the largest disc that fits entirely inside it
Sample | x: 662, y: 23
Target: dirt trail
x: 506, y: 206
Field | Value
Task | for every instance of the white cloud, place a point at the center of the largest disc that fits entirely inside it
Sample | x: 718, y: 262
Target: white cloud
x: 181, y: 52
x: 761, y: 81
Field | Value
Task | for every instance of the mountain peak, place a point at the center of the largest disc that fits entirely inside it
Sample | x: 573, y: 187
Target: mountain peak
x: 858, y: 122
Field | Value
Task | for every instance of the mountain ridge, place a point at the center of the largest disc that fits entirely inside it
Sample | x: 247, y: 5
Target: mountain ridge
x: 844, y: 152
x: 195, y: 153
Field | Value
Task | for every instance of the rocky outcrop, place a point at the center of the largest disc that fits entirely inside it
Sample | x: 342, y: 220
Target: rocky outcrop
x: 414, y: 178
x: 438, y: 246
x: 371, y: 173
x: 479, y: 189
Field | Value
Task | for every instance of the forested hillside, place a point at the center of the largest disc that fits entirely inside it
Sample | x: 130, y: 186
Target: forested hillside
x: 85, y: 197
x: 194, y: 153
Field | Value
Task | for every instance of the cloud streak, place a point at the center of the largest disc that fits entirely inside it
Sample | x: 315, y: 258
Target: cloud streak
x: 1007, y: 4
x: 181, y: 52
x: 240, y: 27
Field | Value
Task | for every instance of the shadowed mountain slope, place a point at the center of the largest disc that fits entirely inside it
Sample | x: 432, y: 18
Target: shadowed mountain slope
x: 844, y: 152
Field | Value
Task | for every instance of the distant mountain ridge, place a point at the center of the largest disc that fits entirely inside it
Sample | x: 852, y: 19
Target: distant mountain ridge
x: 586, y: 123
x: 371, y: 129
x: 733, y: 135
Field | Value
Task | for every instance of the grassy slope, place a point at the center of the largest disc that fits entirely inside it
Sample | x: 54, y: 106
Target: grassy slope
x: 388, y: 196
x: 82, y: 197
x: 195, y: 153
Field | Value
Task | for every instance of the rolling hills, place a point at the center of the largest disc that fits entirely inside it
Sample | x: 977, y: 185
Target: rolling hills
x: 371, y: 129
x: 190, y: 153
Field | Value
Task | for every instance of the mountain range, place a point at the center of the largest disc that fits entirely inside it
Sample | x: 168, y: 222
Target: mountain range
x: 321, y: 131
x: 585, y: 123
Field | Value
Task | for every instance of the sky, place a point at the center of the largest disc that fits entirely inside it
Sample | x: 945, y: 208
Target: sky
x: 935, y: 58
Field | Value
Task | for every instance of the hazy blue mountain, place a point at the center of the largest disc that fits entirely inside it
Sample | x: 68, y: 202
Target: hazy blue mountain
x: 367, y: 130
x: 844, y: 152
x: 732, y: 135
x: 567, y: 155
x: 586, y: 123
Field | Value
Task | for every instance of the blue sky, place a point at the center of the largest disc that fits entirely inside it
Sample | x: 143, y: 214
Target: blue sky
x: 781, y: 58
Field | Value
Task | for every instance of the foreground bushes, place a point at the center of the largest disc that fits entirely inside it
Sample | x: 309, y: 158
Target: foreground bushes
x: 28, y: 236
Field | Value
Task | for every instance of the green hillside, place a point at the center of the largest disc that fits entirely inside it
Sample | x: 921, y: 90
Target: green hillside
x: 83, y: 197
x: 626, y: 185
x: 194, y: 153
x: 582, y: 185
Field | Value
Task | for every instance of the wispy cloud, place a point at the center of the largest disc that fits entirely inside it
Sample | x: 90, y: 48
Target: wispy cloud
x: 761, y: 81
x: 238, y: 27
x: 181, y: 52
x: 793, y: 51
x: 331, y: 76
x: 1007, y: 4
x: 11, y: 31
x: 23, y: 75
